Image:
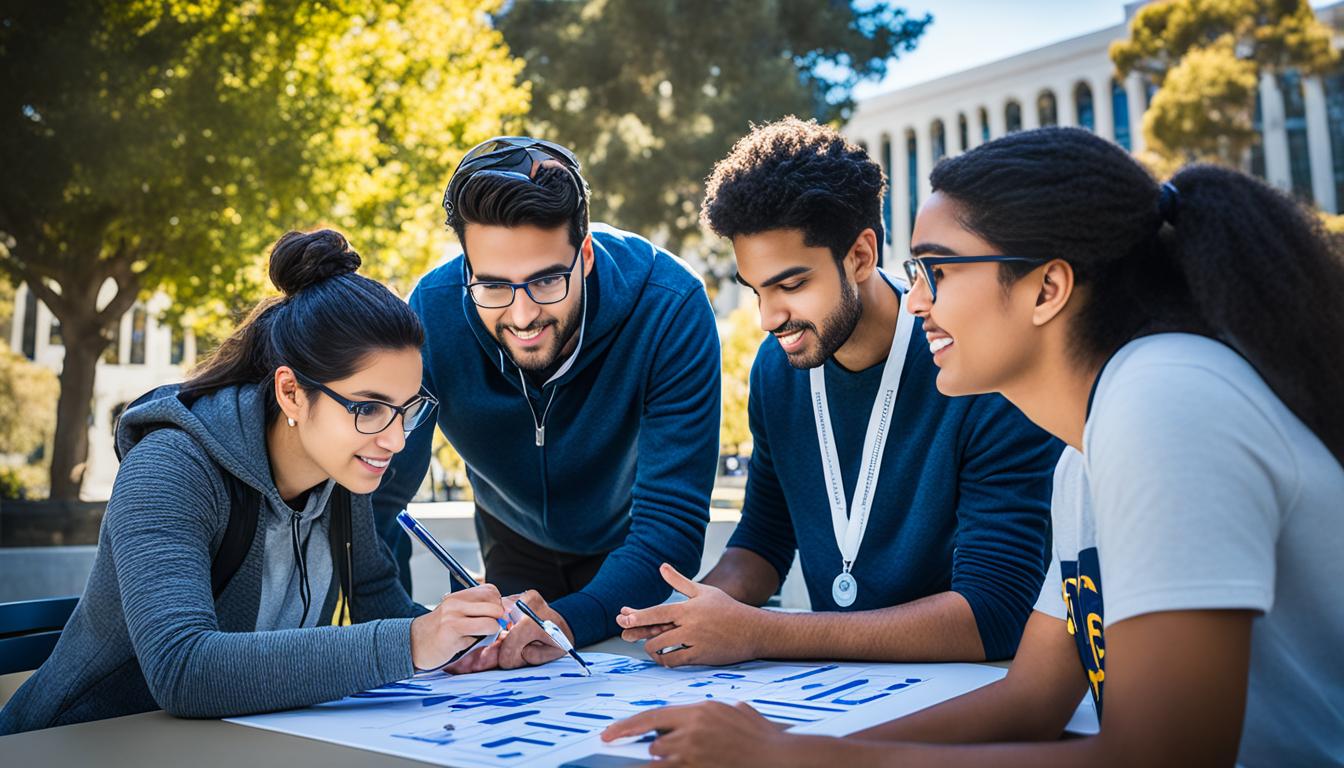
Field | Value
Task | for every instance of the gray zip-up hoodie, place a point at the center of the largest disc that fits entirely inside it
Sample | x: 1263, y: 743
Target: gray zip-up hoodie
x: 147, y: 632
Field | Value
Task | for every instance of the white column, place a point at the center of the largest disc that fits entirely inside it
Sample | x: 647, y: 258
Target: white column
x: 924, y: 151
x: 16, y: 324
x: 1066, y: 104
x: 1318, y: 145
x: 1278, y: 167
x: 900, y: 200
x: 1031, y: 118
x: 997, y: 125
x: 1101, y: 106
x: 878, y: 151
x: 973, y: 127
x: 43, y: 335
x: 189, y: 345
x: 124, y: 342
x: 1134, y: 96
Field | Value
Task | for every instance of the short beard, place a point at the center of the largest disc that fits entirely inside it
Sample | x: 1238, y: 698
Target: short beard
x: 565, y: 328
x: 835, y: 329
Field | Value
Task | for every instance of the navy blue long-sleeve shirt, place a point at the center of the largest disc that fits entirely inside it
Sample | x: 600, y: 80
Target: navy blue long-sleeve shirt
x: 632, y: 428
x: 962, y: 501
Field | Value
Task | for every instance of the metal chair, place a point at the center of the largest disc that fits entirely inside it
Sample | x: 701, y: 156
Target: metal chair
x: 29, y: 630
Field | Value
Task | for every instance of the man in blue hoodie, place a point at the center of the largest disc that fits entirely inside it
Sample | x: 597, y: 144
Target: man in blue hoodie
x: 921, y: 520
x: 577, y: 371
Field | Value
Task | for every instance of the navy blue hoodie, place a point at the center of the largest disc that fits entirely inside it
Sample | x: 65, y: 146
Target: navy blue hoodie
x: 632, y: 428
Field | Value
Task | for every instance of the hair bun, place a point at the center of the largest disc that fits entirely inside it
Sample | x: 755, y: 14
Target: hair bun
x: 300, y: 259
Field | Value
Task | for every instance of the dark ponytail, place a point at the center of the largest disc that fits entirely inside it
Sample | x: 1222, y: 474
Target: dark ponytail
x: 325, y: 325
x: 1218, y: 253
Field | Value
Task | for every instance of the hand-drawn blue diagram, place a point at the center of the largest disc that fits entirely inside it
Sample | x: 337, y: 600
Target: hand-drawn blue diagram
x: 550, y: 714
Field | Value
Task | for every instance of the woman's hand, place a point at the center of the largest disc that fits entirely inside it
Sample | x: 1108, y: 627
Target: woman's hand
x: 454, y: 625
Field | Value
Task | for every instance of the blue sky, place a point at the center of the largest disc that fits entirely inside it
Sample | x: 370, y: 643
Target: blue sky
x: 965, y: 33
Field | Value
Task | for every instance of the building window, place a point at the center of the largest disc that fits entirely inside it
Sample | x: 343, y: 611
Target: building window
x: 54, y: 336
x: 179, y: 347
x: 1257, y: 159
x: 28, y: 343
x: 1334, y: 111
x: 1012, y: 117
x: 112, y: 352
x: 984, y: 124
x: 1120, y: 114
x: 937, y: 140
x: 1046, y: 109
x: 911, y: 180
x: 1082, y: 104
x: 139, y: 319
x: 963, y: 133
x: 1295, y: 123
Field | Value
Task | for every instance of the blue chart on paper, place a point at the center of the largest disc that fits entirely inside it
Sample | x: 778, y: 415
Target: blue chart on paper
x: 548, y: 715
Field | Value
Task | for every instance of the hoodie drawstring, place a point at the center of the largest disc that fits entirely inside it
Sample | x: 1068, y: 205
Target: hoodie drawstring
x: 305, y: 591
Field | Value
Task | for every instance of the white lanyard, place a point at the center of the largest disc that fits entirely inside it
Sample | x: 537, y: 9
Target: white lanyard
x: 850, y: 525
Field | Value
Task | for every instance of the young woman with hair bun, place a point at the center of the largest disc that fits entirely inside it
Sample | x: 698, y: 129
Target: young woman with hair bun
x: 238, y: 569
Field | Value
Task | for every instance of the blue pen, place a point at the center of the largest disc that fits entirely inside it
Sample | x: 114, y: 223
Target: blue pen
x: 419, y: 531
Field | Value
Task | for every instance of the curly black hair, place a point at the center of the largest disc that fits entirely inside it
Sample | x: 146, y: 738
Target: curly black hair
x: 796, y: 174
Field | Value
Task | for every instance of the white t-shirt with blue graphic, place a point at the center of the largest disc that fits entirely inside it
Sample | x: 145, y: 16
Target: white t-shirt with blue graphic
x: 1199, y: 490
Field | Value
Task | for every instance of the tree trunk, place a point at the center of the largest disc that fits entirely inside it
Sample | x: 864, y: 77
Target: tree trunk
x: 87, y: 332
x: 70, y: 447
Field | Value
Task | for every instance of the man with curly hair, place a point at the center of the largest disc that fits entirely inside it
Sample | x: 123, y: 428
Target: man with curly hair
x: 921, y: 521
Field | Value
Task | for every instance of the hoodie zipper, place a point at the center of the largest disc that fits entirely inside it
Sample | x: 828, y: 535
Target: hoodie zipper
x: 540, y: 434
x: 540, y: 424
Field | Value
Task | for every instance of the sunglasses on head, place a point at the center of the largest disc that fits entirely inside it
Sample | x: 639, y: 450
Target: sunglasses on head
x: 511, y: 157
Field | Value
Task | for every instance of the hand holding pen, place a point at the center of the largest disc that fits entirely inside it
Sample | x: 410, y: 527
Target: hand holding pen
x: 513, y: 643
x: 454, y: 625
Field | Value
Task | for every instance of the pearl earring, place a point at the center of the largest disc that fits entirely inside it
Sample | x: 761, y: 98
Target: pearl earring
x: 291, y: 422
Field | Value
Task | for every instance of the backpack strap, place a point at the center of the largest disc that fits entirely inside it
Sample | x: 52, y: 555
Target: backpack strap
x: 244, y: 507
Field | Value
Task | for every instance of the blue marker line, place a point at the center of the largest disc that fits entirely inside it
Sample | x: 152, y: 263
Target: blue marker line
x: 813, y: 707
x: 856, y: 702
x: 808, y: 673
x: 728, y: 676
x: 649, y: 703
x: 773, y: 716
x: 592, y: 716
x: 517, y: 740
x: 564, y: 728
x: 507, y: 755
x: 511, y: 716
x: 836, y: 689
x: 440, y: 740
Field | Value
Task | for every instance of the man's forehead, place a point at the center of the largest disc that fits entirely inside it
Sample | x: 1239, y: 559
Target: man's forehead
x: 760, y: 256
x: 516, y: 252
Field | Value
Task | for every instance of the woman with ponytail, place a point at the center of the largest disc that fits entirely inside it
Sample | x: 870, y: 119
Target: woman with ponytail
x: 1186, y: 340
x: 238, y: 570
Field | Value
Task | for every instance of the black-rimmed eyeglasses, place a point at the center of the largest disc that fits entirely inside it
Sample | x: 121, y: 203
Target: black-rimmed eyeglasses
x: 546, y: 289
x: 374, y: 416
x: 921, y: 267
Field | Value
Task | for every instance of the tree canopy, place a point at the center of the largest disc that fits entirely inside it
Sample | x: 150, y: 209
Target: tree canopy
x: 1206, y: 57
x: 164, y: 145
x: 650, y: 93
